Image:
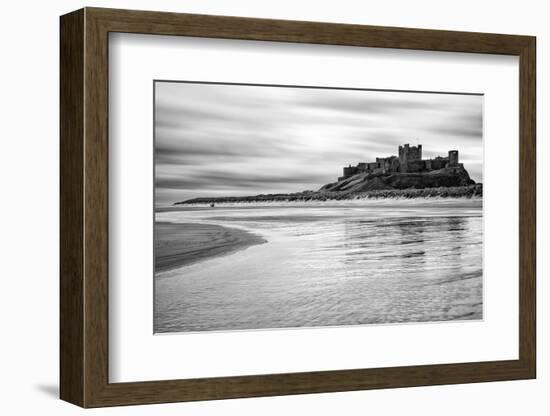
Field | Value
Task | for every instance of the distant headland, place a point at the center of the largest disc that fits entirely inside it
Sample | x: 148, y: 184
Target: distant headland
x: 404, y: 176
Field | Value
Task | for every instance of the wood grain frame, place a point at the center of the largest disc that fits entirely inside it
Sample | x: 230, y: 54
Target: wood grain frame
x: 84, y: 207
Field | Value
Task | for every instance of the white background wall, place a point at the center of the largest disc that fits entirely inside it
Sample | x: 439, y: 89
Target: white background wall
x: 29, y: 206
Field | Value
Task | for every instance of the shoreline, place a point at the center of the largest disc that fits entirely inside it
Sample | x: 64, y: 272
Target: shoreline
x: 367, y: 203
x: 182, y: 244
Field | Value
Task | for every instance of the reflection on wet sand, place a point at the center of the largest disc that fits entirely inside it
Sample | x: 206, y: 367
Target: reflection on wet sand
x: 328, y: 266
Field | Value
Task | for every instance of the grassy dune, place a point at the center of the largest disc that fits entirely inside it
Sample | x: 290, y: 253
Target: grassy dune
x: 468, y: 191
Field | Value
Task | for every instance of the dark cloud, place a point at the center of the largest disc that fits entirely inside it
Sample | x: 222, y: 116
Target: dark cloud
x: 228, y: 139
x: 232, y: 180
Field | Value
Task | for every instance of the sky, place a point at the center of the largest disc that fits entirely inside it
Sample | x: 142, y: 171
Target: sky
x: 236, y: 140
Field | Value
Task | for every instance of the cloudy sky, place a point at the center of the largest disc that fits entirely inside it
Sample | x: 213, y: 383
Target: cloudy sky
x: 221, y: 140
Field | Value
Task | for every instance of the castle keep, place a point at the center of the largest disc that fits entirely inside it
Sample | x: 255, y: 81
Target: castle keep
x: 409, y: 160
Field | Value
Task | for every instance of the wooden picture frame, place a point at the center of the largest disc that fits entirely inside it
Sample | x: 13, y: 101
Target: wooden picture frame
x: 84, y: 207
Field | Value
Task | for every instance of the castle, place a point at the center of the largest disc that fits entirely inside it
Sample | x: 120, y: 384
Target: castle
x: 409, y: 161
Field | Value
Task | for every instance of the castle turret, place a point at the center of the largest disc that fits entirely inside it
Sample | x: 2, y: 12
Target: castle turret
x: 453, y: 158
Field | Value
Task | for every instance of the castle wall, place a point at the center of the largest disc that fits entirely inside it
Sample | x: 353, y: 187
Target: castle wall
x: 391, y: 164
x: 414, y: 166
x: 409, y: 160
x: 439, y: 163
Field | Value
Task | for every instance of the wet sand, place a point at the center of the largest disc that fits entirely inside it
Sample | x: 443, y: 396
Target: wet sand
x: 180, y: 244
x: 329, y: 264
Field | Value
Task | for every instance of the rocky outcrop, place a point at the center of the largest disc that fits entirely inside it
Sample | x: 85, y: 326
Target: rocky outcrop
x: 362, y: 182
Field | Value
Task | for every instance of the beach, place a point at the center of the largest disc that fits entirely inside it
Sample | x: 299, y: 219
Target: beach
x: 181, y: 244
x: 322, y: 264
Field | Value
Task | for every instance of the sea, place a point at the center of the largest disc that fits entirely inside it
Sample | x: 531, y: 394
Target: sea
x: 329, y: 263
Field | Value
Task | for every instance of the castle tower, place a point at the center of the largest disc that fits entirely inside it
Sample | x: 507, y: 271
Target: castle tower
x: 453, y: 158
x: 348, y: 171
x: 408, y: 153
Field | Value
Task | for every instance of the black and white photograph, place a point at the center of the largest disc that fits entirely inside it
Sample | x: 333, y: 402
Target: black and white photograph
x: 295, y: 206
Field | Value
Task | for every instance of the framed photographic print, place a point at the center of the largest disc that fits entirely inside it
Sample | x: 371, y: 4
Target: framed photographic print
x: 255, y: 207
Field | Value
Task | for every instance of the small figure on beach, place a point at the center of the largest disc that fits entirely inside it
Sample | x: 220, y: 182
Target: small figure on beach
x: 212, y: 205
